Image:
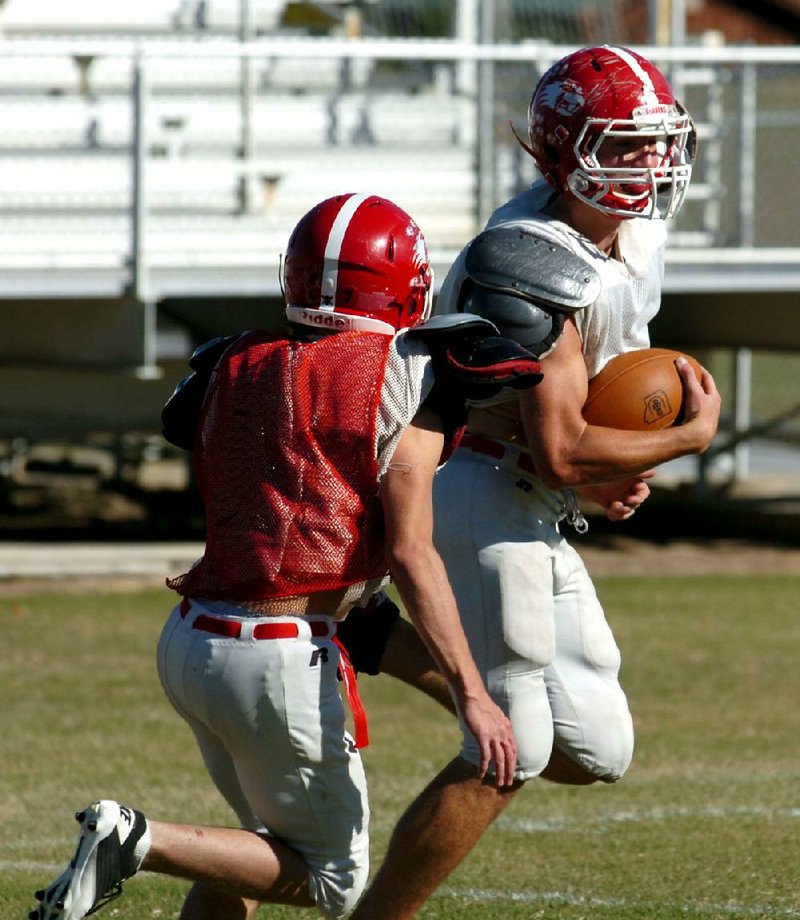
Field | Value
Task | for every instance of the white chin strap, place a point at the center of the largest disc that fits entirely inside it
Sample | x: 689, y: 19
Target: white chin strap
x: 331, y: 321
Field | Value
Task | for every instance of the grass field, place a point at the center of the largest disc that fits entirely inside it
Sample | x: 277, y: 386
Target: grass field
x: 706, y: 823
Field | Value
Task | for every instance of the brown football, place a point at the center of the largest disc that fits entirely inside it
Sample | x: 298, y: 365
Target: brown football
x: 638, y: 391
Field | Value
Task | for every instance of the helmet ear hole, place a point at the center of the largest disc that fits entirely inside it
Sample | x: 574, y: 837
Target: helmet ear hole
x: 551, y: 153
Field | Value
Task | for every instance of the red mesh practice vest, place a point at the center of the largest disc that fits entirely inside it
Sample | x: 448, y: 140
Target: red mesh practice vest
x: 285, y: 462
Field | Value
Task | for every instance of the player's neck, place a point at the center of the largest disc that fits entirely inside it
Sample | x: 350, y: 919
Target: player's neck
x: 601, y: 229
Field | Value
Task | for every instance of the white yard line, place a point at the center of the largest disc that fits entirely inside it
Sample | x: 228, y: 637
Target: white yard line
x: 479, y: 895
x: 532, y: 825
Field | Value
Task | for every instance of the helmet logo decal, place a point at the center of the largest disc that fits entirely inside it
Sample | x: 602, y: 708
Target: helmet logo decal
x: 565, y: 98
x: 420, y: 256
x: 333, y: 249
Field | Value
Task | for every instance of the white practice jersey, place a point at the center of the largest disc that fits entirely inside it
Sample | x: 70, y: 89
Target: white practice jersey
x: 406, y: 384
x: 631, y: 285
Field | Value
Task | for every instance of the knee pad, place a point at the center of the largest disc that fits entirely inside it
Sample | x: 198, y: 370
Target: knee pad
x: 519, y: 690
x: 616, y: 762
x: 606, y: 753
x: 336, y: 892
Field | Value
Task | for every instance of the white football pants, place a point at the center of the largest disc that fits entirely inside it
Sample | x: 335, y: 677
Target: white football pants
x: 270, y: 724
x: 530, y: 611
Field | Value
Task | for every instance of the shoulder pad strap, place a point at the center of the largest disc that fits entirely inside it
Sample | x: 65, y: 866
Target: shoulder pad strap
x: 181, y: 412
x: 471, y: 361
x: 207, y: 354
x: 524, y: 263
x: 481, y: 367
x: 450, y: 325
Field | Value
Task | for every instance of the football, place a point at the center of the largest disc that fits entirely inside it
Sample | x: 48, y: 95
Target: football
x: 638, y: 391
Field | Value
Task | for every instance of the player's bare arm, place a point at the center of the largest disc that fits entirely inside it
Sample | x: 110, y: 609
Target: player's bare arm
x: 422, y: 582
x: 569, y: 453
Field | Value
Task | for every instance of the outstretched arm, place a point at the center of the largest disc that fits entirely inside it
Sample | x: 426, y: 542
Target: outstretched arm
x: 421, y: 579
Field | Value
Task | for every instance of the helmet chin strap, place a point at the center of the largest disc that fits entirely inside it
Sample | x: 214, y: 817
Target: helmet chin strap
x: 428, y: 303
x: 520, y: 141
x: 280, y: 275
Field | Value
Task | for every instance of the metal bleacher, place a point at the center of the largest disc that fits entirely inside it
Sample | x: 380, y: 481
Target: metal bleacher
x: 80, y: 162
x: 155, y: 161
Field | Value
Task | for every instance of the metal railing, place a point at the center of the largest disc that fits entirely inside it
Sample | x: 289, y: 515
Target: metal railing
x: 148, y: 106
x: 143, y: 171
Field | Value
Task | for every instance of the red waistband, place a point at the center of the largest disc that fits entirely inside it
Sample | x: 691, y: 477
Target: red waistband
x: 233, y: 628
x: 283, y: 630
x: 491, y: 448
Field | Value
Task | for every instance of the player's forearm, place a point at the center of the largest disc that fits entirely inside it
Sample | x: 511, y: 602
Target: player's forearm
x: 426, y: 594
x: 601, y: 455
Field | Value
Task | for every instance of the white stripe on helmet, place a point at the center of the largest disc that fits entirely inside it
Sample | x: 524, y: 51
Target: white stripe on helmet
x: 636, y: 67
x: 333, y: 250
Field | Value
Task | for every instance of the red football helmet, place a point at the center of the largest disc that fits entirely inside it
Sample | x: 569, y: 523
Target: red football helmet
x: 588, y: 105
x: 357, y: 262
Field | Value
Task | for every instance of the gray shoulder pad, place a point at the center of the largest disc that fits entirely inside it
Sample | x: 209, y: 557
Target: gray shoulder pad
x: 449, y: 324
x: 520, y: 261
x: 526, y: 285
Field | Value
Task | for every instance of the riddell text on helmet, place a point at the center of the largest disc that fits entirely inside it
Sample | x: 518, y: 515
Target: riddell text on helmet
x: 329, y: 320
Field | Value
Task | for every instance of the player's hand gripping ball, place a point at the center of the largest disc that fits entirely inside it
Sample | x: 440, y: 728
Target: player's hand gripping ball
x: 638, y: 391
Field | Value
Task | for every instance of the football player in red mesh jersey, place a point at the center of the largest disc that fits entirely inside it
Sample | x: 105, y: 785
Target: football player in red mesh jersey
x: 570, y: 268
x: 315, y: 452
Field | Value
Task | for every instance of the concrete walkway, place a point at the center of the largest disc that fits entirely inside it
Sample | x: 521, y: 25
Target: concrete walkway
x: 60, y: 560
x: 131, y: 565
